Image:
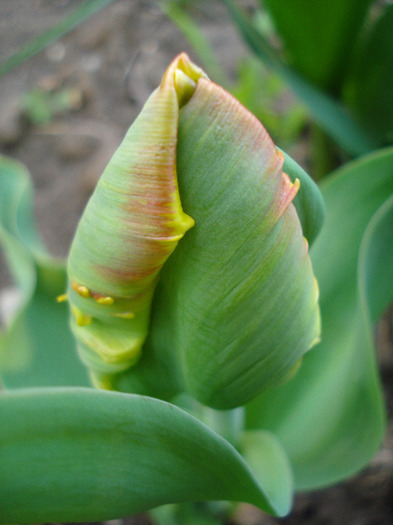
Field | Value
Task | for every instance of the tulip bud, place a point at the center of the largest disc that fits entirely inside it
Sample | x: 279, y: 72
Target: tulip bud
x: 237, y: 298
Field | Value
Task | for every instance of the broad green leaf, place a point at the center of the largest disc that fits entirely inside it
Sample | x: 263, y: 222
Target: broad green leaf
x: 326, y: 111
x: 372, y: 81
x: 329, y: 417
x: 75, y: 455
x: 37, y: 348
x: 306, y: 28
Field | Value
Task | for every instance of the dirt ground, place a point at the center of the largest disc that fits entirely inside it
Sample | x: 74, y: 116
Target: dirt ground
x: 105, y: 70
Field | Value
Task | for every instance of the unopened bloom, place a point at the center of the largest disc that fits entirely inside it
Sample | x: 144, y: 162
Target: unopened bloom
x: 231, y: 307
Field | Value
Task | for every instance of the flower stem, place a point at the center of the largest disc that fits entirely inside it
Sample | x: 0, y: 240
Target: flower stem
x: 228, y: 423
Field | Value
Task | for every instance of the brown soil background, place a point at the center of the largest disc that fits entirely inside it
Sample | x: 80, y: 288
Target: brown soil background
x: 110, y: 64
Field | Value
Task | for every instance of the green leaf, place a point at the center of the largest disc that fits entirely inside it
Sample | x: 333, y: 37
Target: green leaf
x: 72, y: 455
x: 375, y: 273
x: 329, y: 417
x: 37, y: 348
x: 326, y: 111
x: 372, y: 82
x: 306, y: 28
x: 268, y: 460
x: 308, y: 201
x: 17, y: 232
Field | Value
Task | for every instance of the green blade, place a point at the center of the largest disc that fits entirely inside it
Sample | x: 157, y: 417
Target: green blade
x: 75, y: 455
x: 326, y: 111
x: 371, y: 88
x: 329, y: 418
x: 37, y: 348
x: 306, y: 28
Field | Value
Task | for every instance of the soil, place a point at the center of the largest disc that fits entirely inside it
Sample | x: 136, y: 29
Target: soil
x: 107, y: 67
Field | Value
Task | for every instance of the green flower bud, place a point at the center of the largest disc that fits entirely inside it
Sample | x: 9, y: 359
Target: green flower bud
x: 236, y: 306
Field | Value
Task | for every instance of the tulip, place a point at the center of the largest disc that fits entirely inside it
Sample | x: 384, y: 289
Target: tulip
x: 222, y: 294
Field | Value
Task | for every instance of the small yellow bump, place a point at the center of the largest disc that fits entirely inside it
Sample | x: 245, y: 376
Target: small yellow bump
x: 280, y: 154
x: 126, y: 315
x: 81, y: 318
x: 81, y: 290
x: 106, y: 301
x: 62, y: 298
x: 100, y: 381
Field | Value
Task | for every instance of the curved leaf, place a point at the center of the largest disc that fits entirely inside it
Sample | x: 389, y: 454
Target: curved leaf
x: 308, y: 200
x: 329, y: 417
x: 37, y: 348
x: 375, y: 272
x: 17, y: 232
x: 82, y: 455
x: 268, y: 460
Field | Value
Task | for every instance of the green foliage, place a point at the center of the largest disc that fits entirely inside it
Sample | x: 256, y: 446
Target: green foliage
x: 346, y: 81
x: 340, y: 369
x: 39, y: 331
x: 113, y: 454
x: 336, y: 394
x: 342, y: 444
x: 83, y: 455
x: 319, y: 37
x: 328, y: 112
x: 34, y: 353
x: 370, y: 86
